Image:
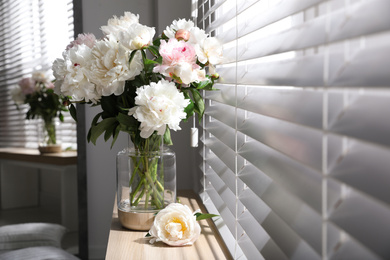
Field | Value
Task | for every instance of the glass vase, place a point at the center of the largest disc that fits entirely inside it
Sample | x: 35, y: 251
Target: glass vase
x: 47, y: 137
x: 146, y: 182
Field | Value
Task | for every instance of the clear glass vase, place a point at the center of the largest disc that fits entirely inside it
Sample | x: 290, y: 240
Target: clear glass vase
x: 47, y: 137
x: 146, y: 183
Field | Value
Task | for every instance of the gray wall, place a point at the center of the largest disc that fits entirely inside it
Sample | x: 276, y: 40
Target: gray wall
x: 100, y: 158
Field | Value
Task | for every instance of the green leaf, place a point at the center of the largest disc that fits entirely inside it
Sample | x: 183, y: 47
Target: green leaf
x: 89, y: 135
x: 126, y: 120
x: 203, y: 84
x: 95, y: 119
x: 61, y: 117
x: 132, y: 56
x: 109, y: 131
x: 73, y: 112
x: 199, y: 104
x: 100, y: 127
x: 143, y: 55
x: 148, y: 235
x: 200, y: 216
x: 191, y: 107
x: 108, y: 104
x: 149, y: 65
x: 167, y: 137
x: 157, y: 42
x: 148, y: 61
x: 93, y: 123
x: 116, y: 133
x: 153, y: 50
x: 189, y: 110
x: 159, y: 60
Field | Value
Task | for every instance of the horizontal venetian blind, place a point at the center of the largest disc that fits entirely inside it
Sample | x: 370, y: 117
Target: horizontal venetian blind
x: 33, y: 33
x: 296, y: 143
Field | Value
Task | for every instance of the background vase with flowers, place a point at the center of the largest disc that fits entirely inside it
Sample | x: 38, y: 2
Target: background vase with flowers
x: 145, y: 88
x: 38, y: 92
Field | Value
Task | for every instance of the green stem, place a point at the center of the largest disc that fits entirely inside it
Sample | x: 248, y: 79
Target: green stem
x: 139, y: 198
x: 135, y: 171
x: 156, y: 195
x: 134, y: 193
x: 124, y: 101
x: 51, y: 131
x: 150, y: 186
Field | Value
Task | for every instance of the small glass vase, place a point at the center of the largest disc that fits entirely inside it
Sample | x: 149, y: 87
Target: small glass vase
x: 146, y: 183
x: 47, y: 137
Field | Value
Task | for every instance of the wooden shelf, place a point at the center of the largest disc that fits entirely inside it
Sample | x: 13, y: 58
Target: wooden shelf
x: 33, y: 155
x: 128, y: 244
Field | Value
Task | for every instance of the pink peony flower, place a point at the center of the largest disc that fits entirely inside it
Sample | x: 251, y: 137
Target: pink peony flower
x: 174, y: 52
x: 87, y: 38
x: 27, y: 85
x: 50, y: 85
x: 179, y: 62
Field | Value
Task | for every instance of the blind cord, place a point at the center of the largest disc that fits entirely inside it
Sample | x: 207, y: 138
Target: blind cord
x: 194, y: 134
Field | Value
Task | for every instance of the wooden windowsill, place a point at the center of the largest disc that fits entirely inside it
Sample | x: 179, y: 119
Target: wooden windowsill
x: 128, y: 244
x: 33, y: 155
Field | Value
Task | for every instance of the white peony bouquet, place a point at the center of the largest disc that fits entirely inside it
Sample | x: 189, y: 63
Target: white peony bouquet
x: 145, y: 86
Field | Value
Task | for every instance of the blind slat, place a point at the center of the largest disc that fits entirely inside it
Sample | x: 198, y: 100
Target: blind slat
x: 370, y: 176
x: 313, y: 32
x: 300, y: 143
x: 277, y: 11
x: 288, y: 72
x: 364, y: 220
x: 223, y: 172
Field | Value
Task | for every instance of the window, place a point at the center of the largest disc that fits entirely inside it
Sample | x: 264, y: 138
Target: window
x: 33, y: 34
x: 296, y: 143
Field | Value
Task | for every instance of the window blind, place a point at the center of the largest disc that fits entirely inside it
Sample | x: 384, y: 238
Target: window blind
x: 296, y: 142
x: 33, y: 33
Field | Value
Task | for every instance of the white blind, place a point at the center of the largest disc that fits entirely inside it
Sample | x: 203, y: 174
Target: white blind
x: 32, y: 34
x: 296, y: 143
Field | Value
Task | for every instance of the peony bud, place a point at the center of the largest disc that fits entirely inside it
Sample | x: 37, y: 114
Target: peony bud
x: 66, y: 102
x: 182, y: 34
x: 215, y: 76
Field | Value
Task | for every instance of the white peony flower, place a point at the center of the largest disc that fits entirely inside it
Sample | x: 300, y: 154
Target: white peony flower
x: 136, y: 36
x: 210, y: 51
x: 176, y: 25
x: 17, y: 95
x: 117, y: 25
x: 159, y: 105
x: 40, y: 76
x: 109, y: 67
x: 71, y: 74
x: 197, y: 36
x: 187, y: 73
x: 175, y: 225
